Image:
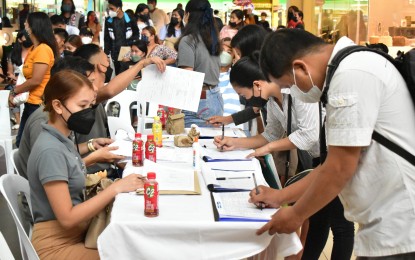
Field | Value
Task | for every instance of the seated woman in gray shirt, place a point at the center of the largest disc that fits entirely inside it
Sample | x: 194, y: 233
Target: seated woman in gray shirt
x: 57, y: 173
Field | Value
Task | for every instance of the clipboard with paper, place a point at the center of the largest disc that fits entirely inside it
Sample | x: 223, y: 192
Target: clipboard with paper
x: 173, y: 180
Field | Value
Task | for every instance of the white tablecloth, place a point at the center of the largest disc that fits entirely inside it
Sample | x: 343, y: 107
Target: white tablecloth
x: 184, y: 229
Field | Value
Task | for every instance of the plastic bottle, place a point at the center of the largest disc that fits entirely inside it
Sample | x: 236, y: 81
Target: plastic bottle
x: 151, y: 196
x: 158, y: 132
x: 137, y: 151
x: 170, y: 111
x: 151, y: 152
x: 162, y: 114
x: 196, y: 154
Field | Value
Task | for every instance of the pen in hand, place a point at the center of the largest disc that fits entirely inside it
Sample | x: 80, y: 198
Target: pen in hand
x: 256, y: 190
x: 223, y: 135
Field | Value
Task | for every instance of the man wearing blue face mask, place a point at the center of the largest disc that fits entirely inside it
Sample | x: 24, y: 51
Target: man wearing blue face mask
x: 376, y: 185
x: 120, y: 30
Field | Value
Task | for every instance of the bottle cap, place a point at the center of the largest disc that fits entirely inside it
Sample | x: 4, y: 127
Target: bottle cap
x: 160, y: 106
x: 151, y: 175
x: 196, y: 139
x: 137, y: 135
x: 156, y: 118
x: 150, y: 137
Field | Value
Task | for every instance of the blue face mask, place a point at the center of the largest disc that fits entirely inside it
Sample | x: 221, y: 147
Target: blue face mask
x: 144, y: 38
x: 66, y: 8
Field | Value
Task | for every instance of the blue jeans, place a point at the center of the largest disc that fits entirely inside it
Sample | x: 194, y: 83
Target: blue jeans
x: 331, y: 216
x: 211, y: 106
x: 27, y: 111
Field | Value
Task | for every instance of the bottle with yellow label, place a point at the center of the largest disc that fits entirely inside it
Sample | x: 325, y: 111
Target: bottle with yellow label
x: 158, y: 132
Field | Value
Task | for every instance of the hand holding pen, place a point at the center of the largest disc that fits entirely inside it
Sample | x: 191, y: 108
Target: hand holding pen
x: 223, y: 135
x: 257, y: 190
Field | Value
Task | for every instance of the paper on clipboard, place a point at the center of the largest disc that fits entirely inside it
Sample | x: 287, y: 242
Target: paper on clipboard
x: 175, y: 87
x: 172, y: 180
x: 123, y: 51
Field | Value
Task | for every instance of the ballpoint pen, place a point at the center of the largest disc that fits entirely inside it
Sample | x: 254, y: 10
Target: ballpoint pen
x: 223, y: 135
x: 256, y: 189
x: 231, y: 178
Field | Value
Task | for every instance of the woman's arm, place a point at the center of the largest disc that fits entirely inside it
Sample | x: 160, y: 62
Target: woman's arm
x: 39, y: 72
x: 169, y: 55
x: 70, y: 216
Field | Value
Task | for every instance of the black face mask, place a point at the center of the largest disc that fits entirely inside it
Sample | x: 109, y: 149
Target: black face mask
x: 232, y: 24
x: 257, y: 101
x: 143, y: 17
x: 108, y: 74
x: 82, y: 121
x: 174, y: 21
x: 27, y: 43
x: 67, y: 53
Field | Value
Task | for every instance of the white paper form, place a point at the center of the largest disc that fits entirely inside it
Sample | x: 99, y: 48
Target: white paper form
x: 238, y: 166
x: 217, y: 131
x: 170, y: 178
x: 214, y: 154
x: 125, y: 148
x: 175, y: 87
x: 234, y: 206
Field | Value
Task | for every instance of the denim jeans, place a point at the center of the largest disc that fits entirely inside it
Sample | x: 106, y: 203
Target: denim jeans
x: 211, y: 106
x: 331, y: 216
x: 27, y: 111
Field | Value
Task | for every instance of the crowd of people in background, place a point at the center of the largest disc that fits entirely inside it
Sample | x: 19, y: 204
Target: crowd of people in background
x: 65, y: 70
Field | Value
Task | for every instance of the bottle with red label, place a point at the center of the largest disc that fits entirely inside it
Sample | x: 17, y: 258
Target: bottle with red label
x: 162, y: 114
x: 137, y: 151
x: 151, y: 151
x: 151, y: 196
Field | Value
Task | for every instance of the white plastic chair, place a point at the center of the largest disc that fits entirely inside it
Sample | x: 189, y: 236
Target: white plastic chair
x: 5, y: 253
x: 10, y: 186
x: 116, y: 123
x: 13, y: 159
x: 125, y: 99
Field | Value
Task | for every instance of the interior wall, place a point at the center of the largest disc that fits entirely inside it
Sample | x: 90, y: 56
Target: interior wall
x: 389, y: 13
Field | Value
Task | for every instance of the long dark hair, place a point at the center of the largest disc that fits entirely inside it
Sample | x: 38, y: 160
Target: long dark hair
x: 141, y: 45
x: 201, y: 22
x: 87, y: 17
x: 171, y: 31
x: 249, y: 39
x: 246, y: 70
x: 41, y: 28
x: 16, y: 54
x: 240, y: 15
x: 139, y: 9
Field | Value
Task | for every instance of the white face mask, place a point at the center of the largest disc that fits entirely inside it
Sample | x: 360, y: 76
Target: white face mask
x: 225, y: 59
x: 112, y: 13
x: 86, y: 40
x: 312, y: 96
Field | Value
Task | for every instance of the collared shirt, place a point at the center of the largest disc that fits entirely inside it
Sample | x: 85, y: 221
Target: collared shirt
x: 54, y: 158
x: 367, y: 93
x: 304, y: 124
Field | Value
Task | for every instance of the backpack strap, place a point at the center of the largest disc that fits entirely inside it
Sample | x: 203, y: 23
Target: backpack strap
x: 288, y: 155
x: 332, y: 67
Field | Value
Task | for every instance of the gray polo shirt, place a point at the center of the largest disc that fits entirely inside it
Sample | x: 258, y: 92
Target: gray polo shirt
x: 194, y: 54
x: 54, y: 158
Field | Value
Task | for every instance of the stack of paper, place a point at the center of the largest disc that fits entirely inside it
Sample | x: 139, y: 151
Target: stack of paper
x: 210, y: 153
x: 211, y: 132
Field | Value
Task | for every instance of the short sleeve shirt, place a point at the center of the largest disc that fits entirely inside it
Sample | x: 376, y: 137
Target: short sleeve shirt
x: 193, y: 53
x: 54, y: 158
x: 41, y: 54
x: 367, y: 93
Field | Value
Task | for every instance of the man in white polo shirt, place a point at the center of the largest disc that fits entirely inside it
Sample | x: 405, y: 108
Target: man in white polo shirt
x: 376, y: 186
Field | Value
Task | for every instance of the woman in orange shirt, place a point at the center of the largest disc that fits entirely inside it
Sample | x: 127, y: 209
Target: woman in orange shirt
x: 37, y: 65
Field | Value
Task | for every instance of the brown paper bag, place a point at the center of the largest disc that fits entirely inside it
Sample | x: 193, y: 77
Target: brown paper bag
x: 175, y: 124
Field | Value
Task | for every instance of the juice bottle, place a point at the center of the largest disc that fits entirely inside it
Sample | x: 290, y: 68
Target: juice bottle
x: 151, y: 152
x: 151, y: 196
x: 158, y: 132
x: 162, y: 114
x: 137, y: 151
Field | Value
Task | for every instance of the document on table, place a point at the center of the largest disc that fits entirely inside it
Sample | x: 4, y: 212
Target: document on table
x: 172, y: 180
x: 234, y: 206
x: 125, y: 148
x: 210, y: 154
x: 175, y: 87
x: 217, y: 131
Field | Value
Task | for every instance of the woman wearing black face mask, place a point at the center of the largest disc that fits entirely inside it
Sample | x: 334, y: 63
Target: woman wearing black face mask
x: 170, y: 33
x: 236, y: 22
x: 248, y: 81
x: 142, y: 13
x: 291, y: 17
x: 57, y: 174
x: 14, y: 66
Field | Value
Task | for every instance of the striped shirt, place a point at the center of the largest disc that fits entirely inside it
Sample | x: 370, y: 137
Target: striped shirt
x: 304, y: 124
x: 231, y: 103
